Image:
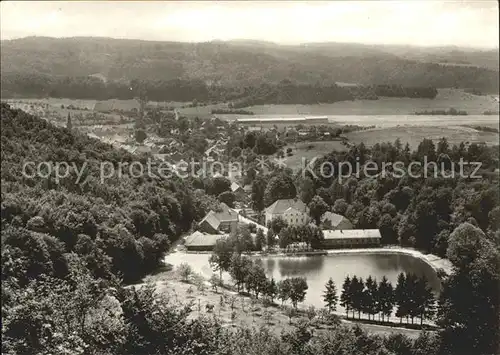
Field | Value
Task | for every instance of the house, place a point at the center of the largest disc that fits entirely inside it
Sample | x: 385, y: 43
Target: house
x: 296, y: 211
x: 199, y: 241
x: 238, y: 191
x: 335, y: 221
x: 295, y: 217
x: 225, y: 220
x: 351, y: 238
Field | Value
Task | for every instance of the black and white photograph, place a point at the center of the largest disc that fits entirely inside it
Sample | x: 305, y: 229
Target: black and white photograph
x: 250, y: 177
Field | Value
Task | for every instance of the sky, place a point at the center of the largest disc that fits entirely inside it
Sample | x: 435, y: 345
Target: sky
x: 415, y: 22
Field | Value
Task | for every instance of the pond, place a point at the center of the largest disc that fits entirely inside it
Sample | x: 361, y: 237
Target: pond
x: 318, y: 269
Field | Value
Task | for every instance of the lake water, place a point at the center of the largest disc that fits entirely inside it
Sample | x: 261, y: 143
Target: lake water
x: 318, y: 269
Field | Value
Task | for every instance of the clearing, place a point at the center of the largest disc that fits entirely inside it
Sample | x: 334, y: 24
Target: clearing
x: 414, y: 135
x: 446, y: 98
x: 306, y: 151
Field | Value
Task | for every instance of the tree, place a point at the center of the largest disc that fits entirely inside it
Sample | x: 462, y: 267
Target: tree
x: 346, y: 295
x: 401, y: 297
x: 185, y: 271
x: 340, y: 206
x: 317, y: 207
x: 443, y: 147
x: 298, y: 289
x: 469, y: 302
x: 385, y: 297
x: 272, y: 289
x: 218, y: 185
x: 307, y: 190
x: 330, y: 295
x: 286, y: 237
x: 240, y: 269
x: 228, y: 198
x: 260, y: 239
x: 284, y: 290
x: 215, y: 282
x: 425, y: 301
x: 270, y: 239
x: 220, y: 260
x: 258, y: 191
x: 356, y: 290
x: 69, y: 125
x: 244, y: 239
x: 257, y: 279
x: 236, y: 152
x: 140, y: 135
x: 279, y: 187
x: 291, y: 312
x: 370, y: 296
x: 277, y: 224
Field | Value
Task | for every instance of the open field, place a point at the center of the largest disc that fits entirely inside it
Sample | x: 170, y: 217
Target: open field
x: 202, y: 111
x: 415, y: 120
x: 414, y: 135
x: 306, y: 151
x: 445, y: 99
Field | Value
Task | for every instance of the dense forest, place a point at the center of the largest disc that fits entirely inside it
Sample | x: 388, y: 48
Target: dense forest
x: 284, y: 92
x: 121, y: 227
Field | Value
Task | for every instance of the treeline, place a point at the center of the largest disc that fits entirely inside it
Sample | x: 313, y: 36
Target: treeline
x: 287, y: 92
x: 192, y: 90
x: 412, y: 295
x: 221, y: 111
x: 400, y: 91
x: 450, y: 112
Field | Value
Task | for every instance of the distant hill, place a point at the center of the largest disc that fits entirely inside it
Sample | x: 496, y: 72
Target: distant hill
x: 246, y: 62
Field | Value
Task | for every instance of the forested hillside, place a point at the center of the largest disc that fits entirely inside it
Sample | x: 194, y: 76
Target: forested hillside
x: 233, y: 64
x: 121, y: 226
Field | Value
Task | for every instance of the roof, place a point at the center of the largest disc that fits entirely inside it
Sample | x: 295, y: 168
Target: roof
x: 334, y: 218
x: 202, y: 239
x: 226, y: 214
x: 212, y: 220
x: 235, y: 187
x: 281, y: 206
x: 352, y: 234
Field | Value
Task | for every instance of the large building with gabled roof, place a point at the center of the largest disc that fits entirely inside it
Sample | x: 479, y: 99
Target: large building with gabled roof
x: 225, y: 220
x: 293, y: 211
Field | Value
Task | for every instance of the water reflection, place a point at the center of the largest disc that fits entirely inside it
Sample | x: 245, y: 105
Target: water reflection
x: 318, y: 269
x: 300, y: 266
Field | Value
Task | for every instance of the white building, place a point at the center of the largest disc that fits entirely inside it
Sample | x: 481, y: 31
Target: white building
x: 294, y: 212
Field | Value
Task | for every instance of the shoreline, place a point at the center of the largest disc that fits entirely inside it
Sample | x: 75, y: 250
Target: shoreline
x: 435, y: 262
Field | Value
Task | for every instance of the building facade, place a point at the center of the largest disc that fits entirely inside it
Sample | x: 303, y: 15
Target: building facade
x: 294, y: 212
x: 353, y: 238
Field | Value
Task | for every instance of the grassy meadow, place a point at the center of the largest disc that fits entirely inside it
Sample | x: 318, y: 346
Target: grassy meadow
x: 446, y: 98
x: 415, y: 134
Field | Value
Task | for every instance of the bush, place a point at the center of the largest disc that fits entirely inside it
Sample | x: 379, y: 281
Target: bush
x: 185, y: 271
